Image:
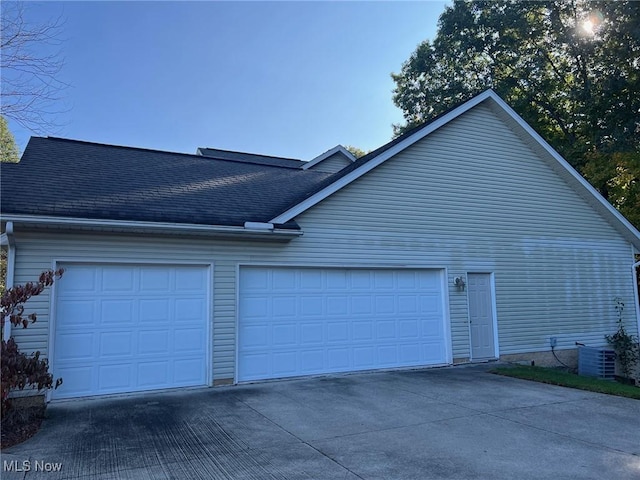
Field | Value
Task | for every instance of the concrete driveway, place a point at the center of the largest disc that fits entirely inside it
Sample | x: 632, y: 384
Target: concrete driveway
x: 448, y: 423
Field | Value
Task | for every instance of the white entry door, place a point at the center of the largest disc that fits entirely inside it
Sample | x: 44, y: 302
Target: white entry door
x: 481, y: 316
x: 128, y: 328
x: 304, y: 321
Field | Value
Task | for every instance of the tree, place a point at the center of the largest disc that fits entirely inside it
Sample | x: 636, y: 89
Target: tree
x: 31, y: 88
x: 8, y: 147
x: 571, y: 69
x: 355, y: 151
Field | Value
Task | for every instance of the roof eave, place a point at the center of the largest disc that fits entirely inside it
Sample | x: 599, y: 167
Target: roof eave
x: 250, y: 230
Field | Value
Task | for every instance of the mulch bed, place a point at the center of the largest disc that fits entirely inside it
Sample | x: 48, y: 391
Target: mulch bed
x: 22, y: 421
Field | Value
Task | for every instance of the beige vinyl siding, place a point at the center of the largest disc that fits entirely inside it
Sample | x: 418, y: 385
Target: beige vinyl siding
x: 332, y: 164
x: 471, y: 196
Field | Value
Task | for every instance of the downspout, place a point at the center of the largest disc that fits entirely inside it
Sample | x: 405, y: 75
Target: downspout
x: 11, y: 262
x: 636, y: 294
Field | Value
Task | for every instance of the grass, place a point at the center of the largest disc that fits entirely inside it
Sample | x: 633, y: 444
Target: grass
x: 571, y: 380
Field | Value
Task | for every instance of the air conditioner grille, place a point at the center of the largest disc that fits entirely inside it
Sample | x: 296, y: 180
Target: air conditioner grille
x: 597, y: 362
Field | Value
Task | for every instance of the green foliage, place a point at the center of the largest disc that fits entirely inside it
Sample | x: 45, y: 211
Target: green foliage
x: 557, y: 377
x: 20, y: 370
x: 625, y: 345
x: 355, y: 151
x: 8, y: 147
x: 577, y: 87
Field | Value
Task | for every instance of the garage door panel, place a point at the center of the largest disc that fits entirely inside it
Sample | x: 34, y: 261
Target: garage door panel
x: 284, y: 306
x: 187, y: 279
x: 385, y: 304
x: 153, y: 342
x: 310, y: 280
x: 379, y: 319
x: 153, y: 374
x: 285, y: 335
x: 362, y: 331
x: 116, y: 344
x: 76, y: 313
x: 116, y: 311
x: 312, y: 334
x: 189, y: 310
x: 117, y: 280
x: 189, y: 340
x: 118, y: 340
x: 336, y: 280
x: 76, y: 346
x: 284, y: 362
x: 152, y: 310
x: 154, y: 279
x: 281, y: 280
x: 81, y: 279
x: 256, y: 307
x: 188, y: 372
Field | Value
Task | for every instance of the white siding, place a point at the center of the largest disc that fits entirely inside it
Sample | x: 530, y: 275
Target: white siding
x: 332, y: 164
x: 469, y: 197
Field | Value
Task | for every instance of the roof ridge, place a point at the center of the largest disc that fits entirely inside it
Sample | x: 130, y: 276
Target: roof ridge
x: 127, y: 147
x: 250, y: 153
x: 155, y: 150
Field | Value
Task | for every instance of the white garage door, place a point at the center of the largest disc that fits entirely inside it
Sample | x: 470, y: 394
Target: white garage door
x: 303, y: 321
x: 124, y: 328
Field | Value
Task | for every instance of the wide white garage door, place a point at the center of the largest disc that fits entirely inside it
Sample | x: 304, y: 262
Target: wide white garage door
x: 303, y: 321
x: 128, y: 328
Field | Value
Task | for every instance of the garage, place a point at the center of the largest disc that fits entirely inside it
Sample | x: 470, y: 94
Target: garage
x: 130, y: 328
x: 306, y: 321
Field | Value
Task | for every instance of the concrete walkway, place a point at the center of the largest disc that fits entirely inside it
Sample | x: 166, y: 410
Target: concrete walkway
x: 448, y: 423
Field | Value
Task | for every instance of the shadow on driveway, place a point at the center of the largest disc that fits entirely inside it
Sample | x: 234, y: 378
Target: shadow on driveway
x: 446, y: 423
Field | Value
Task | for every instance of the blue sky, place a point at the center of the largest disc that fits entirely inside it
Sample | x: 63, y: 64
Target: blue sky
x: 288, y: 79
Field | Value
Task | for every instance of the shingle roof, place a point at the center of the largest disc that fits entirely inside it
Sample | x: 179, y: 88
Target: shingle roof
x: 250, y: 158
x: 70, y: 178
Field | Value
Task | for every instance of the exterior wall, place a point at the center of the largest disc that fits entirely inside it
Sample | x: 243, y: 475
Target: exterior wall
x: 471, y: 197
x: 332, y: 164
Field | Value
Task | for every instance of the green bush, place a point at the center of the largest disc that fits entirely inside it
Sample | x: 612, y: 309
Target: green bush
x: 625, y: 345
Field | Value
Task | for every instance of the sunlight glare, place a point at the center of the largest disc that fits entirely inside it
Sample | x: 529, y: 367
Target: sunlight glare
x: 588, y: 26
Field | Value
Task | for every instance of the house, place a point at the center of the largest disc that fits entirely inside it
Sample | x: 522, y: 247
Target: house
x: 466, y: 239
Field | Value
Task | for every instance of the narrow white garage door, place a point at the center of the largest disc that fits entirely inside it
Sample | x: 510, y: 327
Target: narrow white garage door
x: 124, y: 328
x: 303, y: 321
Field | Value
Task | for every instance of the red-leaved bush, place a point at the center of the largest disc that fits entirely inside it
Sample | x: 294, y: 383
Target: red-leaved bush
x: 18, y: 369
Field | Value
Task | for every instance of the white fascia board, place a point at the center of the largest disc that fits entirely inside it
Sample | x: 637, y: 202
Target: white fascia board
x: 258, y: 226
x: 567, y: 167
x: 384, y: 156
x: 43, y: 220
x: 327, y: 154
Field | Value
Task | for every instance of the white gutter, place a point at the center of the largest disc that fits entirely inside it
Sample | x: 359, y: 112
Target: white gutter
x: 11, y: 262
x: 249, y: 229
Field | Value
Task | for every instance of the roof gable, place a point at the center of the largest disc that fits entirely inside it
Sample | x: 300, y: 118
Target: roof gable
x: 370, y: 161
x: 339, y: 156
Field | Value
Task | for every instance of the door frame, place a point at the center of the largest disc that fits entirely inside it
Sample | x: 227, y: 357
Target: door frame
x: 492, y: 284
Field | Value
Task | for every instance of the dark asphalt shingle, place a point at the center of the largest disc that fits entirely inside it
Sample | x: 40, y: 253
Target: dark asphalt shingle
x: 70, y: 178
